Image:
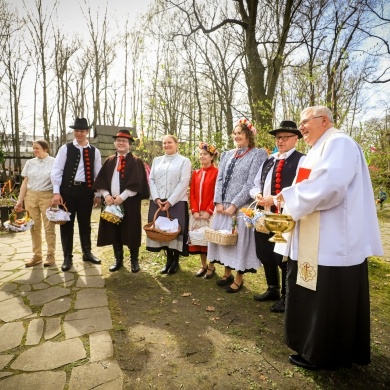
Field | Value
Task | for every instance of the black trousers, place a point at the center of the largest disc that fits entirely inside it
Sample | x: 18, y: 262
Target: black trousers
x: 79, y: 202
x: 271, y: 261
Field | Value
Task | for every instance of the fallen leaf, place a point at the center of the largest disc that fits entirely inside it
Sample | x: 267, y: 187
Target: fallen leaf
x: 186, y: 294
x: 210, y: 308
x: 175, y: 301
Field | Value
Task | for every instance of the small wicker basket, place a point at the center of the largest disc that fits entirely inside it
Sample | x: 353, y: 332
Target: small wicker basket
x: 221, y: 238
x: 19, y: 225
x: 58, y: 214
x: 158, y: 235
x: 109, y: 216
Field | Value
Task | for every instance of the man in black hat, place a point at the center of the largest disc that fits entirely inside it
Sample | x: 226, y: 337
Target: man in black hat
x: 277, y: 172
x: 122, y: 181
x: 75, y: 168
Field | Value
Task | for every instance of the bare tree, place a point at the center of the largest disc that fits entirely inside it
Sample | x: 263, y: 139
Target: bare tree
x: 264, y: 44
x: 39, y: 25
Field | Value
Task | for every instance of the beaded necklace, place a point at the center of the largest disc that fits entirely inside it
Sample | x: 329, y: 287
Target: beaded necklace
x: 237, y: 155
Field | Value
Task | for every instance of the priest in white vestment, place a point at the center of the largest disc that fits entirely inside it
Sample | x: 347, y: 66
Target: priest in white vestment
x: 327, y: 303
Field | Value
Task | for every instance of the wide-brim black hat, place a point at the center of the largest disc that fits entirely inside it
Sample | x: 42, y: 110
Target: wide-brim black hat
x: 287, y: 127
x: 80, y: 124
x: 124, y: 134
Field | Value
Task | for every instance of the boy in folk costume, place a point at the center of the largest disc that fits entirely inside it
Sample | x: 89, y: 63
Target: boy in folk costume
x: 122, y: 181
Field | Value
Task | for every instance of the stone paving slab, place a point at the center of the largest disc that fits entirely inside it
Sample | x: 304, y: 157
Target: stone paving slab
x: 4, y: 295
x: 12, y: 309
x: 4, y: 274
x: 34, y: 332
x: 56, y: 307
x: 13, y: 276
x: 90, y: 281
x: 59, y: 278
x: 35, y: 381
x: 42, y: 313
x: 8, y: 287
x: 50, y: 294
x: 50, y: 355
x: 11, y: 335
x: 100, y: 345
x: 91, y: 298
x: 98, y: 375
x: 11, y: 265
x: 87, y: 321
x: 53, y: 328
x: 4, y: 360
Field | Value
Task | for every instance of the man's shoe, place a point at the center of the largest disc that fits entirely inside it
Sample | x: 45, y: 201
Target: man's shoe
x: 68, y: 262
x: 269, y: 295
x: 299, y: 361
x: 49, y: 261
x: 91, y: 258
x: 225, y: 280
x: 34, y: 261
x: 278, y: 307
x: 134, y: 265
x: 116, y: 266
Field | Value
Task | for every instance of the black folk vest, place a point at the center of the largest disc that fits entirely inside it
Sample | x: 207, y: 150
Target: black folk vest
x: 288, y: 172
x: 73, y: 157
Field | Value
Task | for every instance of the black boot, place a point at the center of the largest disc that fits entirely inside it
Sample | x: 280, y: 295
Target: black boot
x: 118, y: 253
x: 280, y: 306
x: 134, y: 260
x: 68, y: 261
x: 85, y: 241
x: 168, y: 262
x: 175, y: 263
x: 272, y: 276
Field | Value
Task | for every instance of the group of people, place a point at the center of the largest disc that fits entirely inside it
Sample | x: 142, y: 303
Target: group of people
x: 322, y: 285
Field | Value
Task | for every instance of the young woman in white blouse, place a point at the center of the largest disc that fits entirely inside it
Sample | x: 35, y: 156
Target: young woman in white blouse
x: 36, y: 192
x: 169, y: 180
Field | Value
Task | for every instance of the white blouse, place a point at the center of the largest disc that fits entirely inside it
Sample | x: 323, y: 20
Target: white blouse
x: 169, y: 178
x: 37, y: 171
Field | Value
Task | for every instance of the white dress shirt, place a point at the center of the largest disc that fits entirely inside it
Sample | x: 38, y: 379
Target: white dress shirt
x: 59, y: 164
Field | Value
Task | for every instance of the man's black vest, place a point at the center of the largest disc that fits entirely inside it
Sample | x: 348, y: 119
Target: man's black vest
x: 73, y: 157
x: 288, y: 172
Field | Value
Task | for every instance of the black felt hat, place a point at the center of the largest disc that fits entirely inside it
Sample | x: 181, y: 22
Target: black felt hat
x: 80, y: 124
x: 287, y: 127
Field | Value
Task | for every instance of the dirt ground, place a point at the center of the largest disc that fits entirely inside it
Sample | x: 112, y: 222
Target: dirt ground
x: 183, y: 332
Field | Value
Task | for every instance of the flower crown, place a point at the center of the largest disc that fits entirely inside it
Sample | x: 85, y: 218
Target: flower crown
x: 244, y: 121
x: 210, y: 148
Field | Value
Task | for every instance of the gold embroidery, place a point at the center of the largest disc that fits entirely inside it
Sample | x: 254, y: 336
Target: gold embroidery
x: 307, y: 272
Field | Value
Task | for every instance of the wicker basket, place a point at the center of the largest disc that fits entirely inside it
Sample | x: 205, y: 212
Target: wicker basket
x: 221, y: 238
x: 19, y: 225
x: 107, y: 215
x: 158, y: 235
x: 260, y: 225
x: 58, y: 214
